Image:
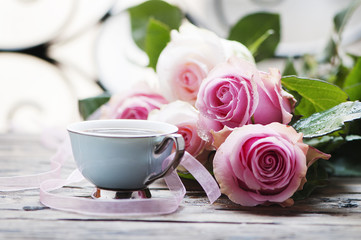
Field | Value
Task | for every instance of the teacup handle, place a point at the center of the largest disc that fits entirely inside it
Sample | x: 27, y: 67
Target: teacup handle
x: 179, y: 152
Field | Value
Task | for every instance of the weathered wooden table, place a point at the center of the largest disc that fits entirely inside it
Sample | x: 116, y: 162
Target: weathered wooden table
x: 333, y: 212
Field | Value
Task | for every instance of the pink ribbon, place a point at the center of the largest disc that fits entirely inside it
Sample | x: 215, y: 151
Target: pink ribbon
x: 33, y: 181
x: 111, y: 207
x: 49, y: 181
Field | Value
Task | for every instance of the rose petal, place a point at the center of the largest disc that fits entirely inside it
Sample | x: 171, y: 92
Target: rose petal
x: 220, y: 136
x: 228, y: 184
x: 288, y: 203
x: 313, y: 154
x: 275, y: 105
x: 132, y: 105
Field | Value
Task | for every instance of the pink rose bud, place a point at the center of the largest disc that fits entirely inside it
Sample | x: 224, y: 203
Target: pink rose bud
x: 136, y: 105
x: 262, y: 164
x: 228, y: 96
x: 275, y: 104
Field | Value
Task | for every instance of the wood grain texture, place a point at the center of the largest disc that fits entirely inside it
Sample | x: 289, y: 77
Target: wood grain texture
x: 333, y: 212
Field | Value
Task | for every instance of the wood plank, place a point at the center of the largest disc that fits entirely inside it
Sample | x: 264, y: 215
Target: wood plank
x: 330, y: 213
x: 65, y: 229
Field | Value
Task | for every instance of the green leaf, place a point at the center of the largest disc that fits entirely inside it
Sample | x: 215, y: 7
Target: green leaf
x: 331, y: 120
x: 140, y: 15
x: 256, y: 44
x: 186, y: 175
x: 158, y: 35
x: 87, y: 106
x: 340, y: 76
x: 330, y: 143
x: 259, y: 32
x: 354, y: 127
x: 289, y: 68
x: 316, y: 95
x: 340, y: 20
x: 352, y: 84
x: 353, y: 57
x: 344, y: 15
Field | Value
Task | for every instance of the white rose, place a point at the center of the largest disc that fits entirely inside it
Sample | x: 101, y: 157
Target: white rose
x: 189, y: 56
x: 185, y: 117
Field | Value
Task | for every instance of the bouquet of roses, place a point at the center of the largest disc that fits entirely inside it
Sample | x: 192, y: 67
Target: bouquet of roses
x: 255, y: 131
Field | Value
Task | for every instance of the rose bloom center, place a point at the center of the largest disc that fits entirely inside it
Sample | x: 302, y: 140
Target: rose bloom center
x: 190, y: 76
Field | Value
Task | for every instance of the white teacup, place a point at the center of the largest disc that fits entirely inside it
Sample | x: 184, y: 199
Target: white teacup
x: 125, y: 155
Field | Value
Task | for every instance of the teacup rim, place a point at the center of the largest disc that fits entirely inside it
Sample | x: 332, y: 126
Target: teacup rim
x: 70, y: 128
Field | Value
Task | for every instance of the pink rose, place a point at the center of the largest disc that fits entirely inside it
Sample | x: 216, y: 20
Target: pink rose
x: 228, y: 96
x: 262, y: 164
x: 275, y: 105
x: 184, y: 116
x: 136, y: 105
x: 189, y: 56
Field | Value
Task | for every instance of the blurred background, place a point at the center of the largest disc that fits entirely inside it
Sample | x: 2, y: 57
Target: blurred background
x: 54, y: 52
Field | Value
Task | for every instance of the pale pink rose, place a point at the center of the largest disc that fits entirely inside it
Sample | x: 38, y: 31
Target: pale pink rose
x: 275, y: 105
x: 135, y: 105
x: 188, y: 58
x: 262, y: 164
x: 228, y: 96
x: 184, y: 116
